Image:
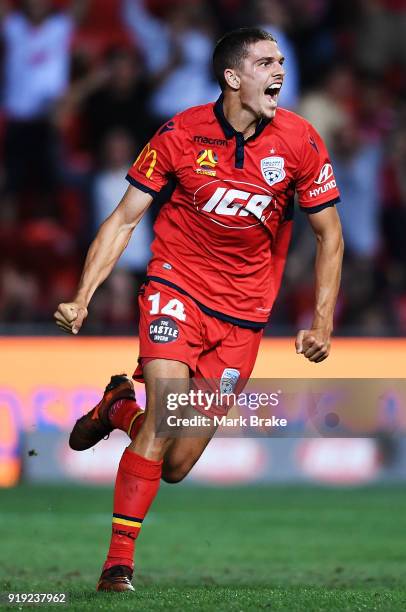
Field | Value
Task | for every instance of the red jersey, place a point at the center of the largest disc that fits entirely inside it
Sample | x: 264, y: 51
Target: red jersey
x: 222, y: 237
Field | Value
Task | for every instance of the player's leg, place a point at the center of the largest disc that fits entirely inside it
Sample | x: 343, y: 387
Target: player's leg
x: 231, y: 361
x: 150, y: 456
x: 182, y: 455
x: 187, y: 445
x: 139, y: 475
x: 118, y: 408
x: 174, y: 336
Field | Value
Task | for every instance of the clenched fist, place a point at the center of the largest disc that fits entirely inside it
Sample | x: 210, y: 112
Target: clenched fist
x: 314, y: 344
x: 69, y: 317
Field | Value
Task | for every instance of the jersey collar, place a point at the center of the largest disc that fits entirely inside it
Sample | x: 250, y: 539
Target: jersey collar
x: 228, y: 129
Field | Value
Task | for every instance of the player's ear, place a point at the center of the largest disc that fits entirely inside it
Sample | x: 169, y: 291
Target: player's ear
x: 232, y: 79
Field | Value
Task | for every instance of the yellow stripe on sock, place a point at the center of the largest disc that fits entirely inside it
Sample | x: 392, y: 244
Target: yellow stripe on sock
x: 121, y: 521
x: 132, y: 422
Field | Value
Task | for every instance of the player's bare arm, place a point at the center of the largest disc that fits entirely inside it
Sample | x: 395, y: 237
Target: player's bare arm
x: 314, y: 343
x: 104, y: 252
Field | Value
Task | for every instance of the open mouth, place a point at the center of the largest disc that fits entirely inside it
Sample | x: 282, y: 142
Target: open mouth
x: 273, y: 91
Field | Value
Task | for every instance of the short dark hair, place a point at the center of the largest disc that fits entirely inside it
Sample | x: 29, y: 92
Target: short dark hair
x: 232, y: 49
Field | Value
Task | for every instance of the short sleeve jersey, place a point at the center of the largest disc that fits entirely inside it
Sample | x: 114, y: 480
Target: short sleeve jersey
x: 223, y: 235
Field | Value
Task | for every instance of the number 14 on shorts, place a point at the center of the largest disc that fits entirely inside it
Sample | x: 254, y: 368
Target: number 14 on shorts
x: 174, y: 308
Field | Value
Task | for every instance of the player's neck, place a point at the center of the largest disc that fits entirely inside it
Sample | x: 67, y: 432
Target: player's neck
x: 241, y: 119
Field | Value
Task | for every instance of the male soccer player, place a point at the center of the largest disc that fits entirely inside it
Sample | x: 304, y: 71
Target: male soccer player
x: 218, y: 255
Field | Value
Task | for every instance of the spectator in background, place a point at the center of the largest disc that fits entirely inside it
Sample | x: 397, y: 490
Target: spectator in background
x: 38, y: 265
x: 19, y: 294
x: 110, y: 102
x: 36, y: 44
x: 116, y: 304
x: 108, y: 188
x: 380, y: 35
x: 376, y: 115
x: 313, y: 32
x: 394, y: 194
x: 274, y: 18
x: 111, y: 96
x: 119, y: 102
x: 177, y: 53
x: 366, y: 311
x: 357, y: 167
x: 358, y: 174
x: 394, y: 223
x: 328, y: 105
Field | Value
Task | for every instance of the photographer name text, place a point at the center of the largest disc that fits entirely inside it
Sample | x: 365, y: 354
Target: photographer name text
x: 225, y: 421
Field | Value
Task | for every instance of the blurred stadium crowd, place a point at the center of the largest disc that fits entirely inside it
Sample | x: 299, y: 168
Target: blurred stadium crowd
x: 86, y: 82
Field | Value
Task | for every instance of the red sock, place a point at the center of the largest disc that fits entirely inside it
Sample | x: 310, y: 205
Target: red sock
x: 137, y: 483
x: 125, y: 414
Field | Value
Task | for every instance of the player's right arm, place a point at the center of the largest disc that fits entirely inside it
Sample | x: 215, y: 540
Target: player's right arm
x: 148, y: 174
x: 104, y: 252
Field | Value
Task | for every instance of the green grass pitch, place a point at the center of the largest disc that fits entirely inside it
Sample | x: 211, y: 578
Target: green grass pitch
x: 261, y: 548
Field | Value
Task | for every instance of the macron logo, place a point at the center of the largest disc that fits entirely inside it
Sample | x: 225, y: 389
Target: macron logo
x: 220, y: 142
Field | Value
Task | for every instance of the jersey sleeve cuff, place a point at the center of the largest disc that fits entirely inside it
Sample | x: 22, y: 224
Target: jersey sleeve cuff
x: 141, y: 186
x: 310, y: 210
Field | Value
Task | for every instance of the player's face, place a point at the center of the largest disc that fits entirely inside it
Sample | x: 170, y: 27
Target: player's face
x: 261, y: 76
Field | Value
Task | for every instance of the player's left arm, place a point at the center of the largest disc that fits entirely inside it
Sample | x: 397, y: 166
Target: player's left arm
x: 314, y: 343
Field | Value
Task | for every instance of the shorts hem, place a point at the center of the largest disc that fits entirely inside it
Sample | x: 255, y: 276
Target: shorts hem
x: 138, y: 375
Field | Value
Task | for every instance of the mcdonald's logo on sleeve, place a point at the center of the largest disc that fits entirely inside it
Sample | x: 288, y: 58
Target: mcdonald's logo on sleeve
x: 146, y: 160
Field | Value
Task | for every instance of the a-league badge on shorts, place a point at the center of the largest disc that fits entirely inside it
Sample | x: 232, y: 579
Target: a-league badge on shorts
x: 229, y: 379
x: 272, y: 169
x: 163, y: 330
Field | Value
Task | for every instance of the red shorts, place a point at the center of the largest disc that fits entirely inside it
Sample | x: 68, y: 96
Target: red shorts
x: 172, y: 326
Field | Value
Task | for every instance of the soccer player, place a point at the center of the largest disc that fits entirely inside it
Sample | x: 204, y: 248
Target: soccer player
x: 218, y: 256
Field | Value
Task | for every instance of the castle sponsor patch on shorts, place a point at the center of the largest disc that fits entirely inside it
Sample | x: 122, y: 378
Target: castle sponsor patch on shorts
x: 163, y: 330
